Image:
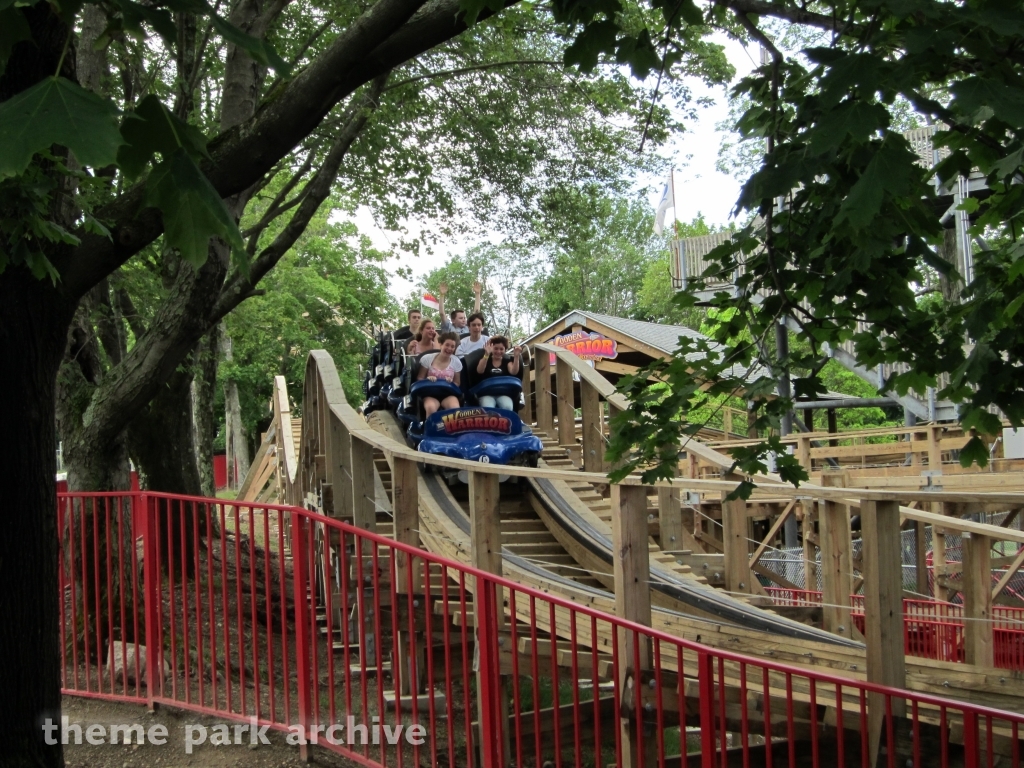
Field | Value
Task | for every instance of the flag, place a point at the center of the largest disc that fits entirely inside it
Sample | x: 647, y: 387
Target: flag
x: 430, y: 301
x: 664, y: 204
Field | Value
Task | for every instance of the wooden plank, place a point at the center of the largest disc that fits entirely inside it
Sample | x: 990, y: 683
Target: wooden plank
x: 526, y: 414
x: 263, y: 456
x: 485, y: 524
x: 405, y: 505
x: 364, y: 509
x: 735, y: 546
x: 566, y: 404
x: 977, y: 592
x: 772, y: 533
x: 1011, y: 571
x: 883, y: 611
x: 485, y: 553
x: 836, y: 562
x: 593, y: 429
x: 939, y: 591
x: 632, y: 573
x: 542, y: 390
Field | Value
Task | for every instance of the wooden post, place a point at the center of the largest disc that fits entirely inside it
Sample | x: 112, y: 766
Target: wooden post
x: 920, y: 558
x: 727, y: 422
x: 405, y: 495
x: 485, y: 539
x: 593, y: 429
x: 736, y: 548
x: 542, y: 393
x: 751, y: 418
x: 566, y: 404
x: 526, y: 414
x: 670, y: 518
x: 934, y: 449
x: 977, y: 591
x: 364, y: 508
x: 807, y: 518
x: 405, y: 504
x: 939, y: 592
x: 364, y: 515
x: 883, y: 613
x: 632, y: 573
x: 339, y: 472
x: 803, y: 452
x: 836, y: 561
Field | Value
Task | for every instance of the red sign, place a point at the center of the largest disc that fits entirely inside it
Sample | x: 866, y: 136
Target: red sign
x: 475, y: 420
x: 588, y: 346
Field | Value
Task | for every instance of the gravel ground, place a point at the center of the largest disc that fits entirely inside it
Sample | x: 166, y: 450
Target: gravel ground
x: 277, y: 754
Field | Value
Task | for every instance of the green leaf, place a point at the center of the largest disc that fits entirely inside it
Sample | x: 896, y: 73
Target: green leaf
x: 1014, y: 306
x: 889, y: 171
x: 153, y: 128
x: 975, y: 93
x: 741, y: 491
x: 57, y: 111
x: 192, y: 210
x: 13, y: 29
x: 974, y: 451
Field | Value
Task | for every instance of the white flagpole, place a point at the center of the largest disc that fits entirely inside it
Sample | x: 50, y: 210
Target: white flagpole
x: 675, y: 215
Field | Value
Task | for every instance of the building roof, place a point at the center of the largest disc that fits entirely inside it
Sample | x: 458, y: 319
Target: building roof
x: 661, y: 337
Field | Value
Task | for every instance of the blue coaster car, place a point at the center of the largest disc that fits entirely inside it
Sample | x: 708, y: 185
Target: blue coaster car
x: 487, y: 435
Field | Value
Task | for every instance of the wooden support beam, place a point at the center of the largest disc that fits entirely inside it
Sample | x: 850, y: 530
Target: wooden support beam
x: 542, y: 392
x: 593, y: 428
x: 566, y: 404
x: 735, y: 546
x: 526, y: 414
x: 364, y: 509
x: 485, y: 539
x: 632, y: 574
x: 406, y: 508
x: 807, y: 514
x: 1011, y: 571
x: 836, y: 561
x: 939, y: 590
x: 670, y: 520
x: 934, y: 449
x: 803, y: 452
x: 883, y: 611
x: 339, y: 472
x: 977, y: 592
x: 920, y: 557
x: 772, y: 532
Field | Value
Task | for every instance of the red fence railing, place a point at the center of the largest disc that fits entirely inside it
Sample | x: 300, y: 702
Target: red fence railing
x: 393, y: 656
x: 933, y: 629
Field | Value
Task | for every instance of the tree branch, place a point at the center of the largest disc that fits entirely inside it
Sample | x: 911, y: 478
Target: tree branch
x: 276, y: 207
x: 388, y: 34
x: 476, y: 68
x: 239, y: 287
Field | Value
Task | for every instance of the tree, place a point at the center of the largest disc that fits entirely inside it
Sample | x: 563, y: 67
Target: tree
x: 598, y: 248
x: 847, y: 224
x: 504, y: 271
x: 90, y: 178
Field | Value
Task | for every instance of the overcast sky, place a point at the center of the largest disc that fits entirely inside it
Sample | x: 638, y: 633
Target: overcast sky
x: 699, y: 186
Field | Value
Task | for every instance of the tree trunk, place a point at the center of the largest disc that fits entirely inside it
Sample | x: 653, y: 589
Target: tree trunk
x: 161, y: 438
x: 235, y: 440
x: 204, y: 387
x: 33, y: 324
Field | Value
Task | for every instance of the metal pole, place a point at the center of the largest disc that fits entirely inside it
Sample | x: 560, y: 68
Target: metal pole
x: 789, y: 528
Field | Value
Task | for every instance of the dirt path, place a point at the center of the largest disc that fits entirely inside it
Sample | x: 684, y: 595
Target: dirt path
x: 277, y: 754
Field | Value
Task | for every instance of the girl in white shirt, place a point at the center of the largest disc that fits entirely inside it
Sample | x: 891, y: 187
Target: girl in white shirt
x: 441, y: 366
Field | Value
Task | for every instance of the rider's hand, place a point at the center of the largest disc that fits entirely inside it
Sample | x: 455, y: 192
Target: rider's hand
x: 517, y: 351
x: 443, y: 289
x: 431, y: 378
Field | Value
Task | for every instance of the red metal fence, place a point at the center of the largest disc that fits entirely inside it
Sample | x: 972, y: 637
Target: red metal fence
x: 933, y: 629
x: 309, y: 624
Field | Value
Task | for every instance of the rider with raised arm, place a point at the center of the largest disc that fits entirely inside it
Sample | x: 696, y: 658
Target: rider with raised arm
x: 457, y: 321
x: 493, y: 363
